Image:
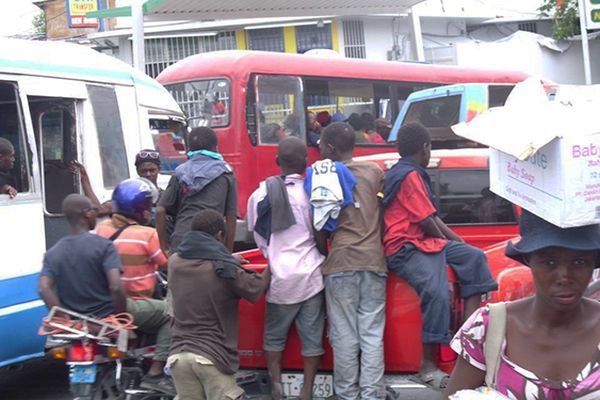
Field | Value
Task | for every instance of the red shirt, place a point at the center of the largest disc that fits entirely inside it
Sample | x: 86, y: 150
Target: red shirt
x: 401, y: 219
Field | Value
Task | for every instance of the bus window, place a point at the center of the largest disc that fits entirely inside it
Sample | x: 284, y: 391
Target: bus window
x: 279, y: 107
x: 358, y: 102
x: 205, y: 102
x: 465, y: 198
x: 168, y: 137
x: 110, y: 135
x: 54, y: 124
x: 11, y: 128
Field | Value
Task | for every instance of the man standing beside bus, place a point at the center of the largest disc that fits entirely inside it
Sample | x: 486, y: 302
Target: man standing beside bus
x: 7, y: 163
x: 419, y: 246
x: 204, y: 182
x: 355, y: 276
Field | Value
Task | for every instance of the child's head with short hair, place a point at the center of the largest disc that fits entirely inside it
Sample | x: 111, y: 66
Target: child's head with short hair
x: 211, y: 222
x: 414, y: 141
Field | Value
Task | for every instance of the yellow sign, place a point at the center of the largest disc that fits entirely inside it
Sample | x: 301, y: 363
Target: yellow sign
x: 76, y: 10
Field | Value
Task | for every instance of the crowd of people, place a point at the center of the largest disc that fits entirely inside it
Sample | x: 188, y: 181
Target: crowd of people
x: 322, y: 258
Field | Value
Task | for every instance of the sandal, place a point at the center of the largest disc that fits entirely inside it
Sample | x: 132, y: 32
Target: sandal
x: 437, y: 380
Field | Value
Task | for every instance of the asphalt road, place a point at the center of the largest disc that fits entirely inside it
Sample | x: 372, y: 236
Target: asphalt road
x: 46, y: 380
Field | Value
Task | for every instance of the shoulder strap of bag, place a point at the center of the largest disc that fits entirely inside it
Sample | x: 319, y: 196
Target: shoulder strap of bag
x: 118, y: 232
x: 495, y: 333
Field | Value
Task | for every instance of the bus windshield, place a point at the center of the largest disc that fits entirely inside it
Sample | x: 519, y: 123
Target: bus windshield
x: 204, y: 102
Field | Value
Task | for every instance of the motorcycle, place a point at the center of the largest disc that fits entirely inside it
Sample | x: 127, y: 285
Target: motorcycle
x: 107, y: 358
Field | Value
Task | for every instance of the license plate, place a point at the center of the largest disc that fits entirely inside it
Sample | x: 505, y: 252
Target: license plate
x: 83, y: 374
x: 293, y: 383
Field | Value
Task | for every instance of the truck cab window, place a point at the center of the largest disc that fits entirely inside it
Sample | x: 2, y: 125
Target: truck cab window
x: 465, y: 198
x: 55, y: 128
x: 11, y: 129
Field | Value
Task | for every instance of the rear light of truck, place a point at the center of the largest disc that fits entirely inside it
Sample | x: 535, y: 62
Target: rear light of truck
x: 83, y: 352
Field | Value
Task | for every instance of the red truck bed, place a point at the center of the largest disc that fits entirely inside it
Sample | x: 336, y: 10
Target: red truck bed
x: 402, y: 335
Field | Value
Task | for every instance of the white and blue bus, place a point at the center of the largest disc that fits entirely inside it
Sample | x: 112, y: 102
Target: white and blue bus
x: 61, y: 102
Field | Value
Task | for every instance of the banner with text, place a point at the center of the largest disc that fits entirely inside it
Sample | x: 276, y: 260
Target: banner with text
x: 76, y: 10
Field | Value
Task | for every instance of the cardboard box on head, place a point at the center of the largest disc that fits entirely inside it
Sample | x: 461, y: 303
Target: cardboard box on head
x: 545, y: 152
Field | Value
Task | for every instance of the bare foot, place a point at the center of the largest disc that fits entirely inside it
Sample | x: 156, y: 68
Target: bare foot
x: 306, y: 393
x: 276, y: 391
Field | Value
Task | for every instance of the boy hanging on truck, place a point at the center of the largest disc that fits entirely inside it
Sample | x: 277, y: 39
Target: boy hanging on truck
x: 355, y: 276
x: 7, y: 162
x: 203, y: 182
x: 207, y: 283
x: 419, y: 246
x: 280, y: 216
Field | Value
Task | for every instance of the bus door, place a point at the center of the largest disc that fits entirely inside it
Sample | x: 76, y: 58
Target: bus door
x: 54, y: 121
x: 21, y: 234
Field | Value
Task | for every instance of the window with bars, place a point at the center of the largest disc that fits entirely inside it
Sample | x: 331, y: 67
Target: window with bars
x: 354, y: 39
x: 528, y: 27
x: 162, y: 52
x: 270, y: 39
x: 313, y: 37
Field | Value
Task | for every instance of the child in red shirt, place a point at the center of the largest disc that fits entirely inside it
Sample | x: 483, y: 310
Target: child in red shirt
x: 419, y: 246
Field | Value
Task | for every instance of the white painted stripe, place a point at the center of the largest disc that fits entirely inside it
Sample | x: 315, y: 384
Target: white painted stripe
x: 157, y: 252
x: 20, y: 307
x: 137, y: 278
x: 131, y: 241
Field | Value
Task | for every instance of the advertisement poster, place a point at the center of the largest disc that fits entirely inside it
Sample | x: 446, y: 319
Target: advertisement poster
x: 76, y: 10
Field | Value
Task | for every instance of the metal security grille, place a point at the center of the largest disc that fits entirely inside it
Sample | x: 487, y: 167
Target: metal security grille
x: 313, y: 37
x: 354, y: 39
x: 162, y: 52
x: 270, y: 39
x: 528, y: 27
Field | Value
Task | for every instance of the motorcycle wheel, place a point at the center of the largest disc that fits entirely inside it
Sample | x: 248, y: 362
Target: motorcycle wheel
x: 105, y: 387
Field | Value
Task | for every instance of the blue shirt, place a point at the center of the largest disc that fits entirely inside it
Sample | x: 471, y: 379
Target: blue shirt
x: 78, y: 265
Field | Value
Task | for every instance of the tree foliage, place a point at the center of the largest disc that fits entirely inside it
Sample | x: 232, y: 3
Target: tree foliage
x: 565, y: 16
x: 39, y: 23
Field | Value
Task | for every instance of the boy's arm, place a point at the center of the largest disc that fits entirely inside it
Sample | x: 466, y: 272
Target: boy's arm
x: 231, y: 208
x: 230, y: 226
x: 448, y: 233
x: 431, y: 228
x: 321, y: 238
x: 161, y: 229
x: 46, y: 291
x: 117, y: 294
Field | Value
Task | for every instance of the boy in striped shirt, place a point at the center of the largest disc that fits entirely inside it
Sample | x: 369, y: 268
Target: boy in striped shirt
x: 141, y: 256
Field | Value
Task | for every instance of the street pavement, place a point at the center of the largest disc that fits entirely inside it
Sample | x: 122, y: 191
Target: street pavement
x: 47, y: 380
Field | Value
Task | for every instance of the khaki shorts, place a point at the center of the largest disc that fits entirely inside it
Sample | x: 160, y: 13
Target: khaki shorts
x: 197, y: 378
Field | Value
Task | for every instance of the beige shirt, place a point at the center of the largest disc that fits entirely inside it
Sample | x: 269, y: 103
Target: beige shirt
x: 356, y: 243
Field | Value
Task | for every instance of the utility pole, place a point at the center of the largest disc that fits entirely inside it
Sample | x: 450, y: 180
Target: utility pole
x: 585, y: 46
x: 137, y: 16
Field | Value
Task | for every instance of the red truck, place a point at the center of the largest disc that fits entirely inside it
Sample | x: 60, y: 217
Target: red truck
x: 461, y: 185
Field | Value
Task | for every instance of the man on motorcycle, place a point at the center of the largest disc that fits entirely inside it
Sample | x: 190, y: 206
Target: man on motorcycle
x: 140, y: 253
x: 82, y: 271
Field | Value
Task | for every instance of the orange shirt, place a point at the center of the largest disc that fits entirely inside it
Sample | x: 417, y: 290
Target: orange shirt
x: 140, y: 253
x: 401, y: 219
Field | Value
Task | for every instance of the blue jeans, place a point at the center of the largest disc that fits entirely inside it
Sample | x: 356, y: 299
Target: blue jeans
x: 356, y: 315
x: 427, y: 273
